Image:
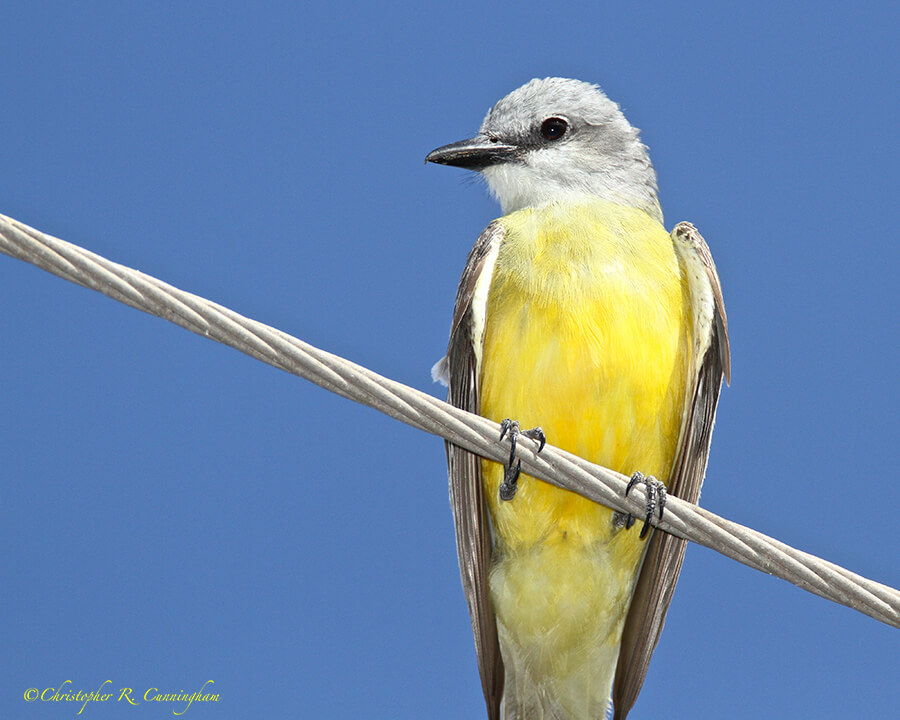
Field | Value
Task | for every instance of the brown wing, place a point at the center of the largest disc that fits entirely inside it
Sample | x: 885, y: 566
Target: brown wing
x: 665, y: 552
x: 470, y: 515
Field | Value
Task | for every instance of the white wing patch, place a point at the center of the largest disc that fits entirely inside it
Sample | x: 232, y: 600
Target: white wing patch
x: 440, y: 371
x: 478, y: 308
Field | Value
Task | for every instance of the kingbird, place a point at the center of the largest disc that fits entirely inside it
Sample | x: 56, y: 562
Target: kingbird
x: 579, y: 313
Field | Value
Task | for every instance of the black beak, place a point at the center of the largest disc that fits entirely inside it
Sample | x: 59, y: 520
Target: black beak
x: 476, y: 153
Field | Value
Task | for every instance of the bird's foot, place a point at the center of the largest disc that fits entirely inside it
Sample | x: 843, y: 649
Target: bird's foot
x: 656, y: 498
x: 511, y: 470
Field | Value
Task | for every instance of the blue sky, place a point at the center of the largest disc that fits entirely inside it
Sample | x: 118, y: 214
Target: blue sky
x: 172, y: 511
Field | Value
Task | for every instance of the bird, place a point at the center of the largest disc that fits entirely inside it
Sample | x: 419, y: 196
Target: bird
x: 579, y: 314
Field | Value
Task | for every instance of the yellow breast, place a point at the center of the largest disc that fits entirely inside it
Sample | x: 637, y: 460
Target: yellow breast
x: 587, y: 334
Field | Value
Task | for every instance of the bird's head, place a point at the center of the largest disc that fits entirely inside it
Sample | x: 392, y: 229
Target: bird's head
x: 557, y: 139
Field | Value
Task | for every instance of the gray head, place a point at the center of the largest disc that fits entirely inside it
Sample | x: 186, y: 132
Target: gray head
x: 557, y: 139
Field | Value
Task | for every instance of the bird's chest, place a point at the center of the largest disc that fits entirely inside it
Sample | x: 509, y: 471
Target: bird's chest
x: 586, y: 334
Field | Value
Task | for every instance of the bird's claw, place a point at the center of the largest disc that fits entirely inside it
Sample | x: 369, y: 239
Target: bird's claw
x: 513, y: 467
x: 656, y: 497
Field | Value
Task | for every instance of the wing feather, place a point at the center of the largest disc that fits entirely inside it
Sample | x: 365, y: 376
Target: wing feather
x: 662, y: 562
x: 470, y: 514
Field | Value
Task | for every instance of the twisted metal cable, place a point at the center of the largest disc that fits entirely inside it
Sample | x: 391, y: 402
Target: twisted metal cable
x: 427, y: 413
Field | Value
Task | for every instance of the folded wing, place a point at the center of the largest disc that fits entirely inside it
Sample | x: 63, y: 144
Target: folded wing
x: 662, y: 563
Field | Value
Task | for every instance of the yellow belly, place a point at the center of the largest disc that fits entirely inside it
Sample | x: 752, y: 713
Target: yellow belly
x: 587, y: 334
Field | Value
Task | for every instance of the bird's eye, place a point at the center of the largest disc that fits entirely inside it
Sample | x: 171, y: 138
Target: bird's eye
x: 554, y: 128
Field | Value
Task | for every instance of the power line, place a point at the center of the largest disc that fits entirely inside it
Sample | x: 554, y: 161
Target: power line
x: 427, y: 413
